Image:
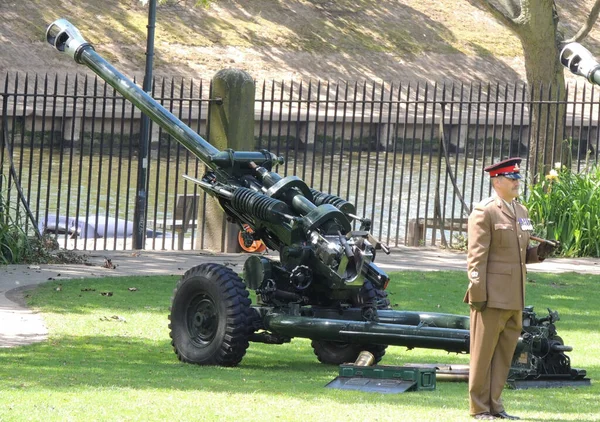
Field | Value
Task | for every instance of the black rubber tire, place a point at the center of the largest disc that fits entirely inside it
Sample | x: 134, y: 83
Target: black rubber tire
x: 336, y: 353
x: 209, y: 316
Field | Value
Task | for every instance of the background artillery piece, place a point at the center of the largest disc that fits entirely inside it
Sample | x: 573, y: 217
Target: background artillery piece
x: 325, y: 285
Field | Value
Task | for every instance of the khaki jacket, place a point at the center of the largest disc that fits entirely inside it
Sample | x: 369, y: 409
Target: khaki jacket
x: 497, y: 254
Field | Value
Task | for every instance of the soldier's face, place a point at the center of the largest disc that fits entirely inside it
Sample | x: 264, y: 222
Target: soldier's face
x: 507, y: 189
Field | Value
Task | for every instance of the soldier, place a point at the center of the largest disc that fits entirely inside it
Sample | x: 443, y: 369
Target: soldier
x: 498, y: 249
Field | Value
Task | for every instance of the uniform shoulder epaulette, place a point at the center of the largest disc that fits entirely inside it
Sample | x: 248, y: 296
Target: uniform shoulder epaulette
x: 484, y: 203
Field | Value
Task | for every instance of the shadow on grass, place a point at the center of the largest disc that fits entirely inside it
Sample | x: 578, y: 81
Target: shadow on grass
x: 69, y: 363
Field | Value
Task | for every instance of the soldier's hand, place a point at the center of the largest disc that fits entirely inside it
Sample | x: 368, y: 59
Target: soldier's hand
x: 545, y: 249
x: 478, y: 306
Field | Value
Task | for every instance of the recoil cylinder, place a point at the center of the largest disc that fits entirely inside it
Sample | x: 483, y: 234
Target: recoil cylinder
x: 320, y: 198
x: 262, y: 207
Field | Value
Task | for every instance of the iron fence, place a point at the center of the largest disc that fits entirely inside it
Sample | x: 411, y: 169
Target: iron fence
x: 409, y: 156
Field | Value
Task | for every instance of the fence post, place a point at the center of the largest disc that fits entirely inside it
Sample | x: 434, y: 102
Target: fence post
x: 231, y: 123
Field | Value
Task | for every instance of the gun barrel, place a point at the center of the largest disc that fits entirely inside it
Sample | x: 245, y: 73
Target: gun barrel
x: 580, y: 61
x: 65, y: 37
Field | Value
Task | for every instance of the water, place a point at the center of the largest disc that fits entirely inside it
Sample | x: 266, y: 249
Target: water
x: 388, y: 189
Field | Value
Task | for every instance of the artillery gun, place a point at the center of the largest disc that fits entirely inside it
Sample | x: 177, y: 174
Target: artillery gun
x: 325, y: 285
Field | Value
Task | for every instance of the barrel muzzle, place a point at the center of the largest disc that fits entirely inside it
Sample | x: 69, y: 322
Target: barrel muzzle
x: 579, y: 60
x: 63, y: 36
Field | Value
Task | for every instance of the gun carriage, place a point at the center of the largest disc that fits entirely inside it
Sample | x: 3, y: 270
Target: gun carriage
x: 325, y: 286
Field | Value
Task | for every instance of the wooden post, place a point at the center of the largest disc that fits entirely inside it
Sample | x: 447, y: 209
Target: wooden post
x: 231, y: 121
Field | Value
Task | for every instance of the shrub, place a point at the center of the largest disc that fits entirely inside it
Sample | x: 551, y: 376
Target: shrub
x: 565, y: 206
x: 13, y: 240
x: 17, y: 247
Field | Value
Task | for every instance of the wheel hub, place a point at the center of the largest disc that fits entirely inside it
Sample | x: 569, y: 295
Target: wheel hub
x: 203, y: 320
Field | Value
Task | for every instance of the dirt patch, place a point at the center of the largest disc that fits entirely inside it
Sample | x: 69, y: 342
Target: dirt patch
x: 380, y: 40
x: 302, y: 40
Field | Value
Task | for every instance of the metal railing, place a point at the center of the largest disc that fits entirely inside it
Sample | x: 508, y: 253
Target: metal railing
x: 409, y: 156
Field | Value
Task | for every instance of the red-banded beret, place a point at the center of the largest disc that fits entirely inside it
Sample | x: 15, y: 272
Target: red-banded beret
x: 507, y: 168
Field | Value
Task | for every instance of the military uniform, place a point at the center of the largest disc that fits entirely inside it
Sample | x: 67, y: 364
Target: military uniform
x: 498, y: 236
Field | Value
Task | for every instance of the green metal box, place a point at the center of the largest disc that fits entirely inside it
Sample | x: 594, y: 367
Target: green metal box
x: 384, y: 379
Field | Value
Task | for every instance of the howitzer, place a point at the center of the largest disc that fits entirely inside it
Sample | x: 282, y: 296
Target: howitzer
x: 325, y: 285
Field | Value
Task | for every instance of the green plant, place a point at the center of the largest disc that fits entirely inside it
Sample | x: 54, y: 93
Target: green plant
x: 17, y: 247
x: 13, y: 239
x: 565, y: 206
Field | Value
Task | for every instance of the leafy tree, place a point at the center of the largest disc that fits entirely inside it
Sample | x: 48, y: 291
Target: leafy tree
x: 535, y: 22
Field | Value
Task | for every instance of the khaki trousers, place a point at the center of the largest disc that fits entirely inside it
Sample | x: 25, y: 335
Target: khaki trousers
x: 494, y: 336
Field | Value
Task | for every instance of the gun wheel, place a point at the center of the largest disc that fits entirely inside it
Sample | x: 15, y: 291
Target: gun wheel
x: 210, y: 310
x: 336, y: 353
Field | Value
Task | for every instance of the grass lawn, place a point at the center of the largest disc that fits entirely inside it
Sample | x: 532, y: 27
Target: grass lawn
x: 109, y: 358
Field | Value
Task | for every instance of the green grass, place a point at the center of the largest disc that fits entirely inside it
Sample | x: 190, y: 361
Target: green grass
x: 95, y: 367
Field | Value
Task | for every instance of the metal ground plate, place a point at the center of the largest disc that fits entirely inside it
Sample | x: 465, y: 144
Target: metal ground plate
x: 373, y: 385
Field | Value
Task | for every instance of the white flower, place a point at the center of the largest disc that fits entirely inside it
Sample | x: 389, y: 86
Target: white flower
x: 553, y: 175
x: 557, y: 165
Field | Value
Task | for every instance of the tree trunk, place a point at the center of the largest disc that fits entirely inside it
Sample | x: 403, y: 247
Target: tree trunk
x: 545, y: 77
x: 547, y: 113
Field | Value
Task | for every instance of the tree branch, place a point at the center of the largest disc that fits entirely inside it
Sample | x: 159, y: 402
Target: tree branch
x: 512, y: 7
x: 587, y: 26
x: 509, y: 17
